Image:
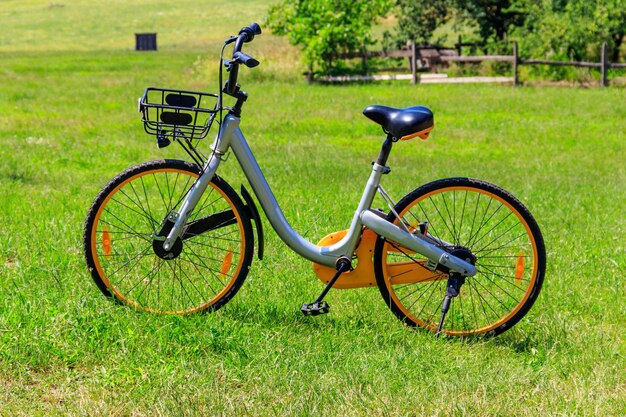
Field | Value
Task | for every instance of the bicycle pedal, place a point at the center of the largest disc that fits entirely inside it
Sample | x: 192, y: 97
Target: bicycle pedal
x: 315, y: 309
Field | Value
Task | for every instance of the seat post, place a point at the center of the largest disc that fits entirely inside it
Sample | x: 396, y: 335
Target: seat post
x: 385, y: 150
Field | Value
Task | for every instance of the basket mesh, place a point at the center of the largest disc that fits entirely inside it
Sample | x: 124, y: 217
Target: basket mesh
x: 177, y: 113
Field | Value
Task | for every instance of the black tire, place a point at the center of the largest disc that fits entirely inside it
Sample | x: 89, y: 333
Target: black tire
x: 201, y: 273
x: 505, y: 244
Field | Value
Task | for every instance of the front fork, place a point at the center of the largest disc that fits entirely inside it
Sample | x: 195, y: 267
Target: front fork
x: 179, y: 218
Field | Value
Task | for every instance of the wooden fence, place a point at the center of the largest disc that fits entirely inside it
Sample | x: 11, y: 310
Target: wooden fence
x: 413, y: 55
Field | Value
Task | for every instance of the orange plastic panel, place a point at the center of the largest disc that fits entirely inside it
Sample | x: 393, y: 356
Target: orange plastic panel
x: 363, y: 273
x: 408, y: 273
x: 422, y: 134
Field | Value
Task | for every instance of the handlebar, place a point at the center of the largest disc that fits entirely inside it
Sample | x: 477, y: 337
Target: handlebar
x: 245, y: 35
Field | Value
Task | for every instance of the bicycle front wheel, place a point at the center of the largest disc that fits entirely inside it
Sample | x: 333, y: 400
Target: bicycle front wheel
x: 481, y: 223
x: 124, y: 234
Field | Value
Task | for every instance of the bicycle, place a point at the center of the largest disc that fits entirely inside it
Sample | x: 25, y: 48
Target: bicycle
x: 458, y: 255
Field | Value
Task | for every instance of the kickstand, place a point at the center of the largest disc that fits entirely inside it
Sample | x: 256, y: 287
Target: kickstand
x: 444, y: 311
x: 321, y: 307
x: 452, y: 290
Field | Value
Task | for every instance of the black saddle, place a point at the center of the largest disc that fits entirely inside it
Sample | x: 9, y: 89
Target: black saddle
x: 402, y: 123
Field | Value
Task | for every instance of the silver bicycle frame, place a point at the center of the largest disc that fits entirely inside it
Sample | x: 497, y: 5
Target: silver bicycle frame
x: 231, y: 137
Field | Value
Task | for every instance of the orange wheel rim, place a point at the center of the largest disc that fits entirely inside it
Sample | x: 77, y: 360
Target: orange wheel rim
x: 519, y: 265
x: 107, y: 245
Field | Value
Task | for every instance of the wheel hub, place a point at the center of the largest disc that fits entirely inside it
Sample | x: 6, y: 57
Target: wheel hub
x: 159, y: 239
x: 464, y: 253
x: 173, y: 253
x: 460, y: 252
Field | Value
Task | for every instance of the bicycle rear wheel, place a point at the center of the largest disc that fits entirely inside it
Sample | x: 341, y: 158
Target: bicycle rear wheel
x: 482, y: 223
x: 123, y: 239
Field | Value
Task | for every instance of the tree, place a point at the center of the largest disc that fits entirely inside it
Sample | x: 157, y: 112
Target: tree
x: 418, y: 19
x: 575, y: 29
x: 559, y: 30
x: 326, y: 28
x: 611, y: 18
x: 494, y: 18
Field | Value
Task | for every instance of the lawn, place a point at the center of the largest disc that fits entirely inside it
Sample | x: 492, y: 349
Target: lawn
x: 69, y: 82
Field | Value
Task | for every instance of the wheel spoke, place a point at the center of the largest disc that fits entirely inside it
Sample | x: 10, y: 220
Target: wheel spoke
x: 197, y: 269
x: 478, y: 219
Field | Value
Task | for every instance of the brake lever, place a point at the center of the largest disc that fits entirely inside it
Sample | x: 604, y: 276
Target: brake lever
x: 230, y: 40
x: 228, y: 64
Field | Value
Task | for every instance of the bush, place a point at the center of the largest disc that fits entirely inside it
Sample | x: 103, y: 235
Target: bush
x: 327, y: 28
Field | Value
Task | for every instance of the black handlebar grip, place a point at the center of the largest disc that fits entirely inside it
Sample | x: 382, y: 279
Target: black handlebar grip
x: 255, y: 28
x: 245, y: 59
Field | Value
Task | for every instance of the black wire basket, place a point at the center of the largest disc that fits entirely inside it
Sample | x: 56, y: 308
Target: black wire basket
x: 177, y: 114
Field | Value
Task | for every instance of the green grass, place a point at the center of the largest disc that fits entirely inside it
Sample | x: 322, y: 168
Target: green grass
x: 87, y: 25
x: 69, y: 123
